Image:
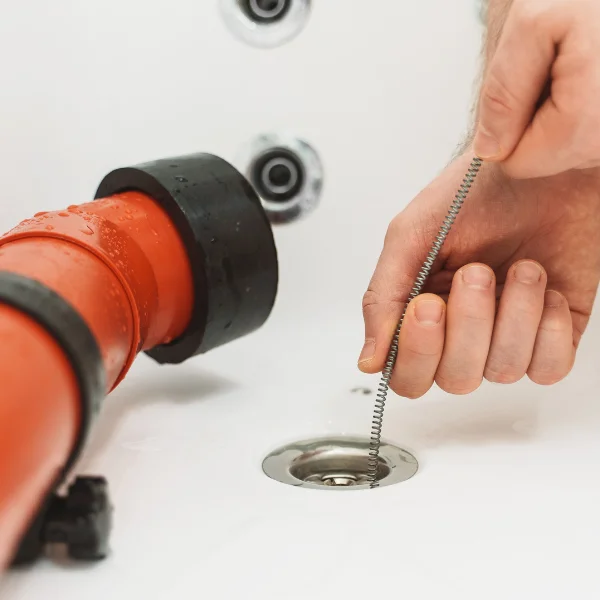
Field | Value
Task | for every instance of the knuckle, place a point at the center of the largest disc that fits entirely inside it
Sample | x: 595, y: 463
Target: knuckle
x: 370, y: 298
x: 375, y: 301
x: 476, y: 319
x: 457, y: 385
x: 497, y: 98
x: 416, y: 349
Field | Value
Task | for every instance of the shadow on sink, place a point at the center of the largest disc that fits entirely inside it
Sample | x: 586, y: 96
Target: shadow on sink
x: 178, y: 385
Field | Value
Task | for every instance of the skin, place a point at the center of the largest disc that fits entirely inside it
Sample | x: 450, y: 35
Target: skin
x: 513, y: 290
x: 539, y: 112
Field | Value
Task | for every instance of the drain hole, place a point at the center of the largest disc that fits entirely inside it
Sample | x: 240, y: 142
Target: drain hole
x: 278, y: 175
x: 286, y: 173
x: 266, y: 11
x: 339, y: 479
x: 337, y: 463
x: 335, y: 466
x: 265, y: 23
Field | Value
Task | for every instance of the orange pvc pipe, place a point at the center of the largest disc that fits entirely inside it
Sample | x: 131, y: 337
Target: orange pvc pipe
x: 39, y: 415
x: 120, y: 263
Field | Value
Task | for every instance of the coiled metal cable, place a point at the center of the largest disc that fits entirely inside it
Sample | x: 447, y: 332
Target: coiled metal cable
x: 384, y: 385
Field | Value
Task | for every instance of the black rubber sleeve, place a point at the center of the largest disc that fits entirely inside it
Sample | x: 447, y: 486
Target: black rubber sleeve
x: 73, y: 335
x: 229, y: 243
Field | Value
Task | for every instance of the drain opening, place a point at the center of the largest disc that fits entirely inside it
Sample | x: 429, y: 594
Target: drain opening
x: 286, y: 173
x: 266, y: 11
x: 277, y: 175
x: 344, y: 479
x: 337, y: 463
x: 265, y: 23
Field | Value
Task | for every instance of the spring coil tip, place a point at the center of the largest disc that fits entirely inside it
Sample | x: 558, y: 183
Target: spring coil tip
x: 384, y: 385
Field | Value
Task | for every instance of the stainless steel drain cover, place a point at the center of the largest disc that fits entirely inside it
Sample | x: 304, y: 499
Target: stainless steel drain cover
x: 338, y: 463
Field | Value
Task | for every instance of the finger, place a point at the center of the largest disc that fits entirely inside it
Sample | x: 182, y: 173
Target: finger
x: 517, y: 322
x: 407, y: 243
x: 381, y: 316
x: 554, y: 353
x: 469, y: 326
x: 420, y: 346
x: 515, y: 79
x: 388, y: 291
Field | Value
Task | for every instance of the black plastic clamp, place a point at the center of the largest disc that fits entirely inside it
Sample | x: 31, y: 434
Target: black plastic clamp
x: 81, y: 520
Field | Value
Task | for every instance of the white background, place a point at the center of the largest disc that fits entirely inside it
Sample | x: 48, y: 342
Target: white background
x: 505, y: 504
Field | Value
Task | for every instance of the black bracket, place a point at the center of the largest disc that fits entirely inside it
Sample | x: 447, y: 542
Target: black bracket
x: 81, y: 520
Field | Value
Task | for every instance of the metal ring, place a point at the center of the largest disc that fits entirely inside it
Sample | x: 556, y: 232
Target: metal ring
x: 277, y: 29
x: 266, y: 13
x: 279, y: 162
x: 337, y: 463
x: 309, y: 194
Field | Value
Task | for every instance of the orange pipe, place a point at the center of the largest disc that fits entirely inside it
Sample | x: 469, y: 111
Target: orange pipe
x: 39, y: 420
x: 121, y: 264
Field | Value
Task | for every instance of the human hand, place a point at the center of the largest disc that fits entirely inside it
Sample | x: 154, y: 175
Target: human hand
x: 519, y: 273
x: 539, y: 111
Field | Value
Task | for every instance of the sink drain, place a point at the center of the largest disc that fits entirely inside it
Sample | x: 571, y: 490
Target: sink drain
x: 337, y: 463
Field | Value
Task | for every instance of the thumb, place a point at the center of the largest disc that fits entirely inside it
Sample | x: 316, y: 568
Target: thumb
x: 514, y: 84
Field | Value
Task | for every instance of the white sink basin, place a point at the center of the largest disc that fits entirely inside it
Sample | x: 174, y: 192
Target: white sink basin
x: 505, y: 503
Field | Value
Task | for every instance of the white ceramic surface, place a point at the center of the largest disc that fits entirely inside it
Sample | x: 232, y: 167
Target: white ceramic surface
x: 506, y: 503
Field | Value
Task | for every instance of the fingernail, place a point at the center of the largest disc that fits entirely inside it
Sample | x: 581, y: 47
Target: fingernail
x: 485, y: 145
x: 368, y: 351
x: 553, y: 299
x: 429, y: 312
x: 476, y: 276
x: 528, y: 272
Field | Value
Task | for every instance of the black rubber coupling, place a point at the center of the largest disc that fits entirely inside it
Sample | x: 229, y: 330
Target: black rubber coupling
x: 229, y: 243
